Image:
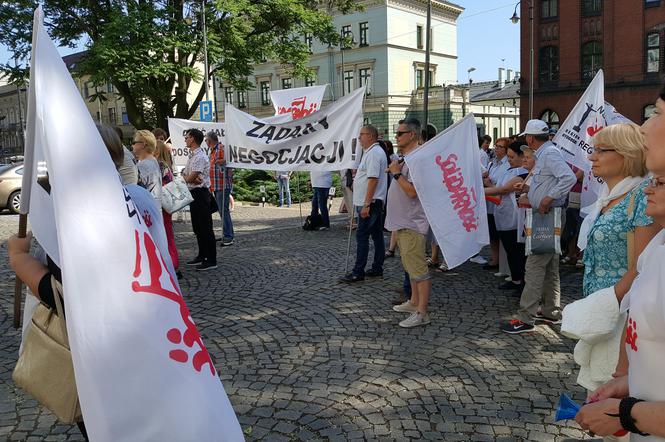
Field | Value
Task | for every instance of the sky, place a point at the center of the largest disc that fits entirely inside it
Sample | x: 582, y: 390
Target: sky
x: 486, y: 39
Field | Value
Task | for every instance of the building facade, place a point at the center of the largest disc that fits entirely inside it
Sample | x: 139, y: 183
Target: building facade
x: 13, y: 102
x: 495, y: 105
x: 387, y: 56
x: 573, y: 39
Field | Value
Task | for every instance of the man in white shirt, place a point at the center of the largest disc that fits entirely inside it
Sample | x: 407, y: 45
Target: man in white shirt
x: 370, y: 186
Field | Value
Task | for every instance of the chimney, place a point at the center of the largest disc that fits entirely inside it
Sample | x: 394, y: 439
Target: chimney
x: 501, y: 77
x: 509, y: 76
x: 517, y: 75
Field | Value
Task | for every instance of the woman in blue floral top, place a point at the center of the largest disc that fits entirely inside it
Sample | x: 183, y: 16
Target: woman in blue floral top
x: 618, y: 158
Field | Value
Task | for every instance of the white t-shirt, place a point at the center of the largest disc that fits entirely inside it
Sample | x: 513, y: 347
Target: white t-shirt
x: 484, y: 158
x: 505, y: 214
x: 645, y: 329
x: 321, y: 179
x: 372, y: 165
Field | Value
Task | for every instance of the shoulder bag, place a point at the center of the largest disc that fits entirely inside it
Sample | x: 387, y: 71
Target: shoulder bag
x: 175, y: 196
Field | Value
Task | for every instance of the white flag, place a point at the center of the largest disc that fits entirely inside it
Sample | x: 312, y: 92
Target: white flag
x: 325, y: 140
x: 142, y: 370
x: 449, y: 183
x: 298, y: 102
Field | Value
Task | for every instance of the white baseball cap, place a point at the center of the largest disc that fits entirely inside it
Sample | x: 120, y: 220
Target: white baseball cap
x: 535, y: 127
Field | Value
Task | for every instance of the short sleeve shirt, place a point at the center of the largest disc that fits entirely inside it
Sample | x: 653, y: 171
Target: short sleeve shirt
x: 198, y: 162
x: 372, y: 165
x: 606, y: 254
x: 404, y: 212
x: 150, y: 178
x: 321, y: 179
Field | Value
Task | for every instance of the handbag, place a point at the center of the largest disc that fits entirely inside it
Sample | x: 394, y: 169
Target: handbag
x: 44, y: 368
x: 175, y: 196
x: 543, y: 232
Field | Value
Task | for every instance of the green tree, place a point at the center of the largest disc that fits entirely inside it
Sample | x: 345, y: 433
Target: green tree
x: 151, y: 50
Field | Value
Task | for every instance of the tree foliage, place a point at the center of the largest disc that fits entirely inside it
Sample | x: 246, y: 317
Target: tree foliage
x: 152, y: 51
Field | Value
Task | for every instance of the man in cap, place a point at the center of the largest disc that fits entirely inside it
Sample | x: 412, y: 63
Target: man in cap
x: 551, y: 182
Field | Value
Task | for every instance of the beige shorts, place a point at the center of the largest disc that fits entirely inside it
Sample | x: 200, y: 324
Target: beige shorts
x: 412, y: 250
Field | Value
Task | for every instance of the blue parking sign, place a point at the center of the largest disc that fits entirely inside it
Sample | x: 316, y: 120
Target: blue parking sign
x: 205, y: 110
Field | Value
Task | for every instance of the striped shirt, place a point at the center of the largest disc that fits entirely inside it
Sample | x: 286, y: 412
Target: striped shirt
x: 219, y: 175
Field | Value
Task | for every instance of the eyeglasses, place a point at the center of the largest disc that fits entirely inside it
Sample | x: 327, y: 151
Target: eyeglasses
x: 654, y: 183
x: 496, y: 146
x: 600, y: 150
x: 399, y: 133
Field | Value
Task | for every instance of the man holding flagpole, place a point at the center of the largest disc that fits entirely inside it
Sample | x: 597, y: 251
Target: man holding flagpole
x: 406, y: 216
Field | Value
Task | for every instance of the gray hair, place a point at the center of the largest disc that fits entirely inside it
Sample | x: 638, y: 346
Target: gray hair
x: 212, y: 136
x: 413, y: 124
x: 372, y: 131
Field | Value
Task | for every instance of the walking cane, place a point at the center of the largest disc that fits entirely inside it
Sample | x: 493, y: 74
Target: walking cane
x: 18, y: 284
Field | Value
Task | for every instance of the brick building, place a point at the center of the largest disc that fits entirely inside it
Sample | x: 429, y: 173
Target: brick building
x: 575, y: 38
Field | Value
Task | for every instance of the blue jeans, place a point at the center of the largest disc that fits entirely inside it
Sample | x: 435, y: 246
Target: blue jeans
x: 227, y: 226
x: 369, y: 227
x: 283, y: 184
x: 320, y: 204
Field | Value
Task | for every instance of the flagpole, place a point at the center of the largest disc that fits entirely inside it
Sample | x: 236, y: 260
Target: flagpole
x: 18, y: 284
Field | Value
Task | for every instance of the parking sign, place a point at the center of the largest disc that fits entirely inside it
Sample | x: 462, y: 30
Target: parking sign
x: 205, y: 110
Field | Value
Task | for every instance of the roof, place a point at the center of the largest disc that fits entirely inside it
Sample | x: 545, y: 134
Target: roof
x: 490, y: 90
x: 72, y: 60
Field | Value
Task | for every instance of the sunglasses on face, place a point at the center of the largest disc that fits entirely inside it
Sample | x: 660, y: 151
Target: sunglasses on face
x: 399, y: 133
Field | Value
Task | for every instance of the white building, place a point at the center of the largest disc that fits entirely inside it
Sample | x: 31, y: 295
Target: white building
x: 388, y: 55
x: 495, y: 105
x: 12, y: 119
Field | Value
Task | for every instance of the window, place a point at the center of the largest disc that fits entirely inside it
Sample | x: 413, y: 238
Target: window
x: 592, y: 7
x: 228, y: 94
x: 287, y: 83
x: 548, y: 65
x: 242, y: 99
x: 310, y: 80
x: 125, y: 116
x: 365, y: 79
x: 109, y: 87
x: 86, y: 89
x: 648, y: 111
x: 420, y: 78
x: 592, y: 60
x: 347, y: 35
x: 551, y: 118
x: 653, y: 52
x: 348, y: 81
x: 548, y: 8
x: 364, y: 28
x: 419, y: 36
x: 651, y: 3
x: 265, y: 93
x: 112, y: 115
x: 309, y: 40
x: 431, y: 78
x: 98, y: 116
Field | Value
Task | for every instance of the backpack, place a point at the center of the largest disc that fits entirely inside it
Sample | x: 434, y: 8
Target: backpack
x: 312, y: 222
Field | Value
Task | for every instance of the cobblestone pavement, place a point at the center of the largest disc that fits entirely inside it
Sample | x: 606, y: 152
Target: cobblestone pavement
x: 304, y: 357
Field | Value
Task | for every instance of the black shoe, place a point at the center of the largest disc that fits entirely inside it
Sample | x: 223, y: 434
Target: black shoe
x: 178, y: 274
x: 218, y: 239
x: 540, y: 318
x: 510, y: 286
x: 516, y: 326
x: 196, y: 261
x: 351, y: 278
x: 398, y: 301
x: 206, y: 266
x: 373, y: 274
x: 226, y: 243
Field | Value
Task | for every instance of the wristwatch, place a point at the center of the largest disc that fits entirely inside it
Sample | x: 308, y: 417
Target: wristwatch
x: 397, y: 176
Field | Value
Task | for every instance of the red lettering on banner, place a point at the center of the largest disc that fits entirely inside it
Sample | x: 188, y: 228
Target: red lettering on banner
x: 191, y: 336
x: 297, y: 108
x: 463, y: 200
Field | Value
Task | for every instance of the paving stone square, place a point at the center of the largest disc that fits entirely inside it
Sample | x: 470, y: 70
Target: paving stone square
x: 304, y: 357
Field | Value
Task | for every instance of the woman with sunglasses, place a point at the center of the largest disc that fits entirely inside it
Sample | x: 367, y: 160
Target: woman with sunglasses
x: 150, y: 176
x: 636, y: 401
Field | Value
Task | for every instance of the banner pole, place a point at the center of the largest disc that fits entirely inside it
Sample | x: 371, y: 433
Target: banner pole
x: 348, y: 243
x: 18, y: 284
x: 299, y: 198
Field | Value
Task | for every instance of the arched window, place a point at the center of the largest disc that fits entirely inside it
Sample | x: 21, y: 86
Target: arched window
x: 548, y: 65
x: 592, y: 60
x: 551, y: 118
x: 648, y: 111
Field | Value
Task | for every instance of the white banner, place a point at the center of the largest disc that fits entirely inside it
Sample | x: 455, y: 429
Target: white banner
x: 447, y: 176
x: 575, y: 137
x: 142, y: 370
x: 177, y: 130
x: 325, y: 140
x: 298, y: 102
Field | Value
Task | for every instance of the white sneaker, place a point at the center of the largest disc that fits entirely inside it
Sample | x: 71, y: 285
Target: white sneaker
x: 478, y: 260
x: 415, y: 320
x: 500, y: 274
x: 508, y: 278
x: 405, y: 307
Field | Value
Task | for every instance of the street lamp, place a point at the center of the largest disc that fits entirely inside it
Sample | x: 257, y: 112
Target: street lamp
x: 468, y: 75
x: 342, y: 45
x: 515, y: 19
